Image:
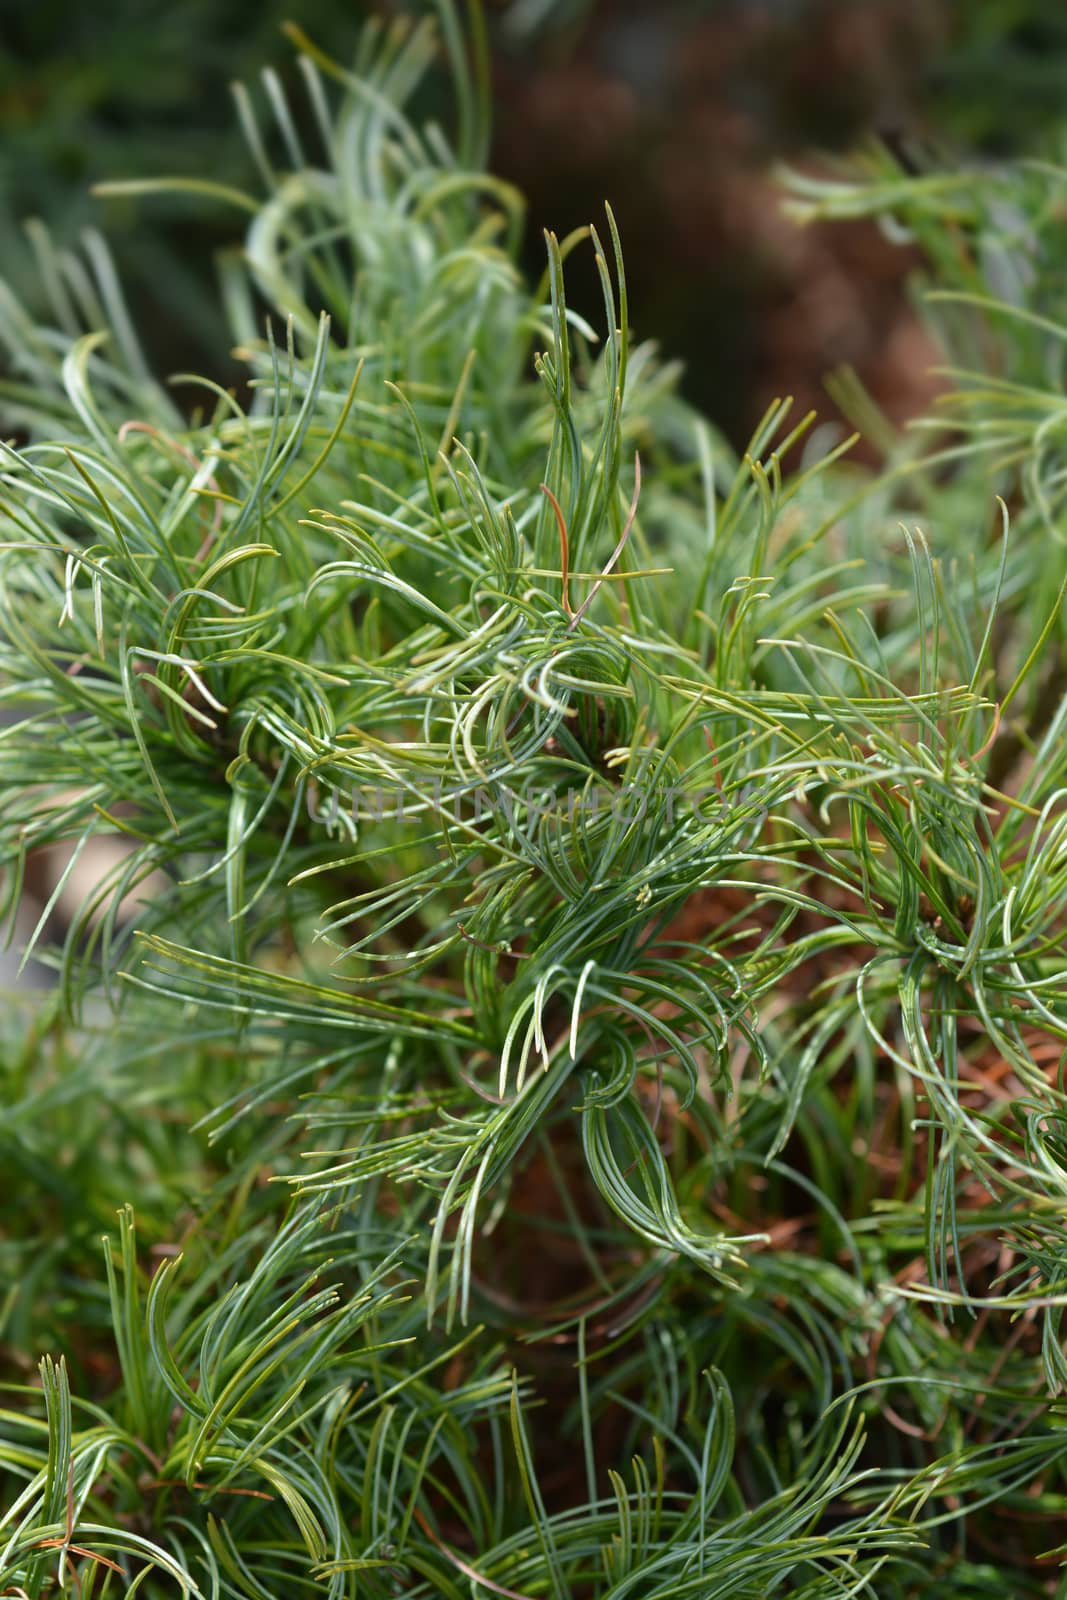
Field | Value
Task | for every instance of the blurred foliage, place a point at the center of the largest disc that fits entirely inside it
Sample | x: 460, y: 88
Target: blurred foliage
x: 998, y: 85
x: 93, y: 93
x: 673, y: 108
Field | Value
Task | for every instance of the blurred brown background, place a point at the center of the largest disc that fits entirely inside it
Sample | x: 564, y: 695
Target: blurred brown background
x: 679, y: 113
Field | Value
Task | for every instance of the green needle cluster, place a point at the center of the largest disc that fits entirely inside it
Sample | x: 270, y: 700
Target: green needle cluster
x: 564, y: 1053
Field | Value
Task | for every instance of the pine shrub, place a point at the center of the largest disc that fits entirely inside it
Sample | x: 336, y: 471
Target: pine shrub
x: 565, y: 1052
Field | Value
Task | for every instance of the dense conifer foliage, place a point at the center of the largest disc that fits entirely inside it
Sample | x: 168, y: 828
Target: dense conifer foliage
x: 557, y: 1089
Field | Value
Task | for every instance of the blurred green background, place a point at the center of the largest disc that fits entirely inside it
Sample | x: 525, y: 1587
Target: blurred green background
x: 675, y: 110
